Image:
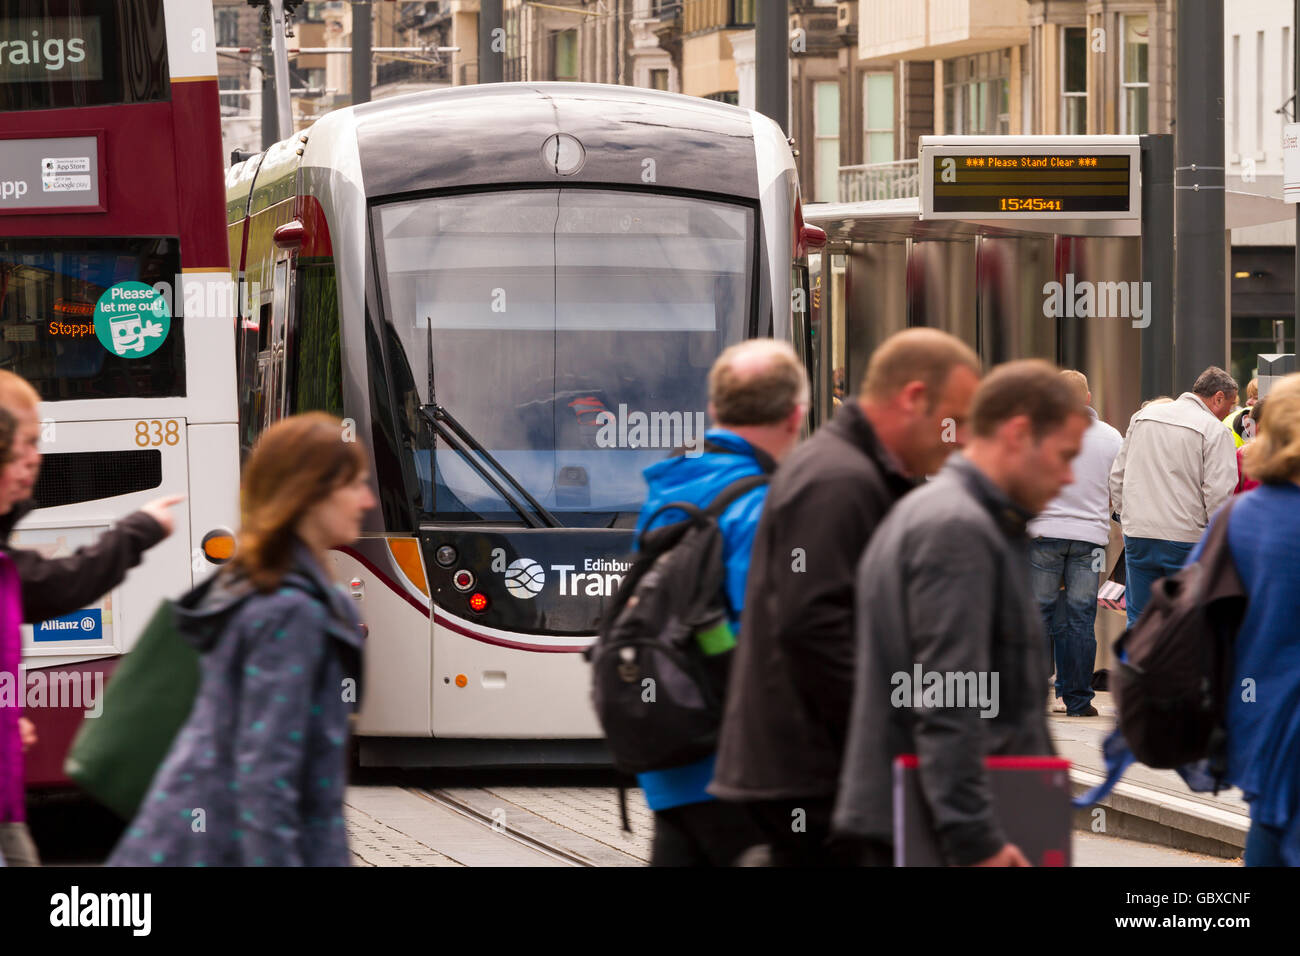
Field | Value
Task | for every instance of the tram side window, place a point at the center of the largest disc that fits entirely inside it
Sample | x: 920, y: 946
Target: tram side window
x: 316, y: 363
x: 48, y: 292
x: 249, y: 379
x: 256, y: 359
x: 66, y: 53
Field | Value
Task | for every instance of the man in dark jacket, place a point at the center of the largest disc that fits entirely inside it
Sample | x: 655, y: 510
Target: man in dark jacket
x: 758, y: 397
x: 791, y: 683
x: 944, y: 589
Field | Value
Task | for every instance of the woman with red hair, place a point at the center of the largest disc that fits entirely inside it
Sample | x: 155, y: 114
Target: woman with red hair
x: 256, y: 775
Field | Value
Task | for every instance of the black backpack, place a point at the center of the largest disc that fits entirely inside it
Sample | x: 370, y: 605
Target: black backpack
x: 657, y: 694
x: 1173, y: 683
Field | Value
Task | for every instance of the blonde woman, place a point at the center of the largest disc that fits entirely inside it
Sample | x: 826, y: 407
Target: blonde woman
x: 262, y: 754
x: 1264, y: 726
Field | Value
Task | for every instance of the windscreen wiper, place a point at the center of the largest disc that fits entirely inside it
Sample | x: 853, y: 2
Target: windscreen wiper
x: 460, y: 440
x: 444, y: 423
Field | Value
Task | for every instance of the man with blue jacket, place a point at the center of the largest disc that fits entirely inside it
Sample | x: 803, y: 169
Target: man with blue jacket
x: 758, y: 396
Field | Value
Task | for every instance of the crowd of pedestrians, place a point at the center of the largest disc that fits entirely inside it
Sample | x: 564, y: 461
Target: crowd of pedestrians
x: 942, y: 521
x: 959, y: 526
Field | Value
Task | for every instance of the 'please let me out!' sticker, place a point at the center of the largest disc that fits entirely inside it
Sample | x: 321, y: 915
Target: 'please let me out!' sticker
x: 132, y: 319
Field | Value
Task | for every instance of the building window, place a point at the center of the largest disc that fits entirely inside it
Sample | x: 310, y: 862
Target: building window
x: 1259, y: 95
x: 1134, y: 77
x: 313, y: 79
x: 1285, y: 60
x: 659, y: 80
x: 725, y: 96
x: 228, y: 27
x: 1074, y: 81
x: 826, y: 138
x: 1236, y: 98
x: 977, y: 94
x: 231, y: 104
x: 565, y: 57
x: 742, y: 13
x: 878, y: 118
x: 514, y: 61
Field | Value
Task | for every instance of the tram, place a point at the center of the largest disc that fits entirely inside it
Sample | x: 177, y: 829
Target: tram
x: 511, y: 294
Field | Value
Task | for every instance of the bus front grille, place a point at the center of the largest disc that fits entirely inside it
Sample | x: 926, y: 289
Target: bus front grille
x: 68, y: 478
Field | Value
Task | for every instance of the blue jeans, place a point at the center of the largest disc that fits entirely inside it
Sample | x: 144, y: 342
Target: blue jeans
x: 1147, y: 560
x: 1070, y: 615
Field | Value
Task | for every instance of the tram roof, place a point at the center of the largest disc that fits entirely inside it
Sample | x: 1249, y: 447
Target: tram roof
x: 473, y: 136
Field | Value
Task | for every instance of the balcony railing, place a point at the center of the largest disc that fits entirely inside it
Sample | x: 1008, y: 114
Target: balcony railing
x: 900, y: 180
x: 404, y: 70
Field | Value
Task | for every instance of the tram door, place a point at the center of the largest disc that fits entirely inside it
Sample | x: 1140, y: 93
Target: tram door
x: 271, y: 362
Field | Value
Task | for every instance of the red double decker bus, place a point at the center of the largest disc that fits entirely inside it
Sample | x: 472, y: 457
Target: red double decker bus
x: 116, y: 304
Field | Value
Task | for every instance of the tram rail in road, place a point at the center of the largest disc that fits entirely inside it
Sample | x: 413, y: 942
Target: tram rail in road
x: 499, y: 825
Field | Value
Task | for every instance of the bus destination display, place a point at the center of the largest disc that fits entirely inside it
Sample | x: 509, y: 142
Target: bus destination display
x: 968, y: 183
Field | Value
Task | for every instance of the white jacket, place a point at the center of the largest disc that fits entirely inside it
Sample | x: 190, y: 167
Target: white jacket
x: 1176, y: 466
x: 1081, y: 512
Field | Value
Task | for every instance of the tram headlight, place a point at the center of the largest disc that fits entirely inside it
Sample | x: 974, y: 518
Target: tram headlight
x: 446, y: 556
x: 463, y: 579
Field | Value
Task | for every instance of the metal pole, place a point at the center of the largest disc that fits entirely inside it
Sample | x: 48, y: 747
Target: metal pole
x: 270, y: 122
x: 1200, y: 320
x: 1158, y: 264
x: 772, y: 61
x: 361, y: 54
x: 491, y: 44
x: 278, y: 48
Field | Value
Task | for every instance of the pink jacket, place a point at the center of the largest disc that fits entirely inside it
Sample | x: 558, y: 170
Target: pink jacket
x: 12, y: 804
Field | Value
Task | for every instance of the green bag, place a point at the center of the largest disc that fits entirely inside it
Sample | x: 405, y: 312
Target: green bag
x: 146, y: 702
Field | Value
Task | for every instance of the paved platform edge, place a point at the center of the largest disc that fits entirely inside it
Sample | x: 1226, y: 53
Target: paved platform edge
x: 1154, y: 816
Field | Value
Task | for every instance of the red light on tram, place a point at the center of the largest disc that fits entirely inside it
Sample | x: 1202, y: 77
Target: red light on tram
x: 478, y: 602
x: 291, y: 235
x: 814, y: 237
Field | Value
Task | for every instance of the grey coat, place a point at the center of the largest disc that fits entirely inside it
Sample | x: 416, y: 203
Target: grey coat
x: 256, y: 775
x: 944, y: 585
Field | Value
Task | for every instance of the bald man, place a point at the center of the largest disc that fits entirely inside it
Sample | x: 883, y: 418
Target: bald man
x: 758, y: 396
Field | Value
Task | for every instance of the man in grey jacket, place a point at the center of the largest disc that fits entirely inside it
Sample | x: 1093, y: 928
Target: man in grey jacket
x: 1176, y: 466
x: 943, y: 586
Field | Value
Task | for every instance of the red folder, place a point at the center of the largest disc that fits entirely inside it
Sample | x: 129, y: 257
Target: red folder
x: 1031, y: 798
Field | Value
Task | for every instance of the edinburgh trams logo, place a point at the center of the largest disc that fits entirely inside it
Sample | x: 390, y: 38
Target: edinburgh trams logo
x: 525, y: 578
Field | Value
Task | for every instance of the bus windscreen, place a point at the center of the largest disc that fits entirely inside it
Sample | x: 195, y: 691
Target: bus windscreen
x: 572, y: 335
x: 49, y: 290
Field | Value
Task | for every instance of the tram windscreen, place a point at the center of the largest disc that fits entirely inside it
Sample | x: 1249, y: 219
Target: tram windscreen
x: 572, y: 334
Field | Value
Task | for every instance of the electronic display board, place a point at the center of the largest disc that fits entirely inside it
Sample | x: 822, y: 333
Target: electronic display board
x: 1014, y: 177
